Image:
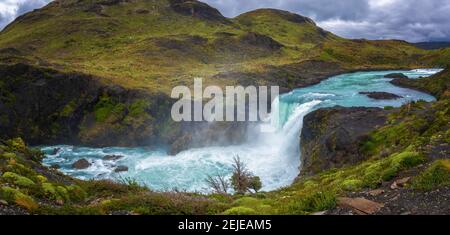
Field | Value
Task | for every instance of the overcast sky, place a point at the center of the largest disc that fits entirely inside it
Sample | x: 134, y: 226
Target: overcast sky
x: 411, y: 20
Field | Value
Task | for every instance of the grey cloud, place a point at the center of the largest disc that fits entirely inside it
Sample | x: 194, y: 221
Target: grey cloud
x: 411, y: 20
x: 318, y: 10
x: 11, y: 9
x: 31, y: 5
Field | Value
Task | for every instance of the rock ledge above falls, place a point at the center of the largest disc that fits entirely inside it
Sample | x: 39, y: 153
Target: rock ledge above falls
x: 331, y: 137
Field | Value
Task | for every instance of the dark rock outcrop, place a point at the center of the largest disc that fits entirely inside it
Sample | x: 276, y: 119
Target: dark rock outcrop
x: 112, y: 157
x: 46, y: 106
x: 81, y: 164
x: 262, y: 41
x: 331, y: 137
x: 197, y: 9
x: 381, y: 95
x: 121, y: 169
x: 279, y: 13
x: 395, y: 75
x: 56, y: 151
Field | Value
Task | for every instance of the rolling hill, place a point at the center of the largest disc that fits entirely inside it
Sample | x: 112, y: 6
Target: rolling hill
x: 157, y: 44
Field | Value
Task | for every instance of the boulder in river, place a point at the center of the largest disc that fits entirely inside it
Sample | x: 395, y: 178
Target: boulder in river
x: 81, y: 164
x: 112, y: 157
x: 56, y: 151
x: 381, y: 95
x: 121, y: 169
x: 395, y: 75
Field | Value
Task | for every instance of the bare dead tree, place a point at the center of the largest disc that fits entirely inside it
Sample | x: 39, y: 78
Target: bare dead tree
x: 242, y: 179
x: 240, y: 176
x: 218, y: 183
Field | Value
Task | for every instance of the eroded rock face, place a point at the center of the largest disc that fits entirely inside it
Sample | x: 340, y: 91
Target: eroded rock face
x: 331, y: 137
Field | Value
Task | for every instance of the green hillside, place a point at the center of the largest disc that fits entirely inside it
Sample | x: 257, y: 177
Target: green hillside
x: 161, y: 43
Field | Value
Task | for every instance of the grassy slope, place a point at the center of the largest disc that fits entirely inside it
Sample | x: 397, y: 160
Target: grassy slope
x: 152, y: 45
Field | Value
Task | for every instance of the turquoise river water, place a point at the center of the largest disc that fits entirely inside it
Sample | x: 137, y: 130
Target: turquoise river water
x: 273, y: 154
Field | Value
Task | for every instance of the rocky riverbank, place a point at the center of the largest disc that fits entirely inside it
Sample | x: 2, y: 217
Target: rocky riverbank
x: 418, y: 187
x: 332, y: 137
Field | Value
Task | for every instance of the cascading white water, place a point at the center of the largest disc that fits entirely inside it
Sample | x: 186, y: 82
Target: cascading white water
x: 272, y: 154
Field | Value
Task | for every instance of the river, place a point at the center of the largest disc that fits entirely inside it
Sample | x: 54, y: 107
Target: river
x: 272, y: 155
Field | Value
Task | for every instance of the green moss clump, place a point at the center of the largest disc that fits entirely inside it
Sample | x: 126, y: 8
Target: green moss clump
x: 13, y: 195
x: 317, y: 201
x: 309, y: 184
x: 49, y: 190
x: 240, y: 210
x: 16, y: 144
x: 107, y: 109
x: 21, y: 170
x: 62, y: 193
x: 76, y: 193
x: 26, y: 202
x: 435, y: 176
x: 8, y: 193
x: 351, y: 184
x: 18, y: 179
x: 68, y: 110
x: 9, y: 155
x: 388, y: 168
x: 41, y: 178
x: 138, y: 107
x: 402, y: 161
x: 259, y: 206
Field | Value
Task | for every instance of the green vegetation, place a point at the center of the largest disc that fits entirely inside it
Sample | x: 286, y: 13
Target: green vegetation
x: 156, y: 45
x: 435, y: 176
x: 438, y: 85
